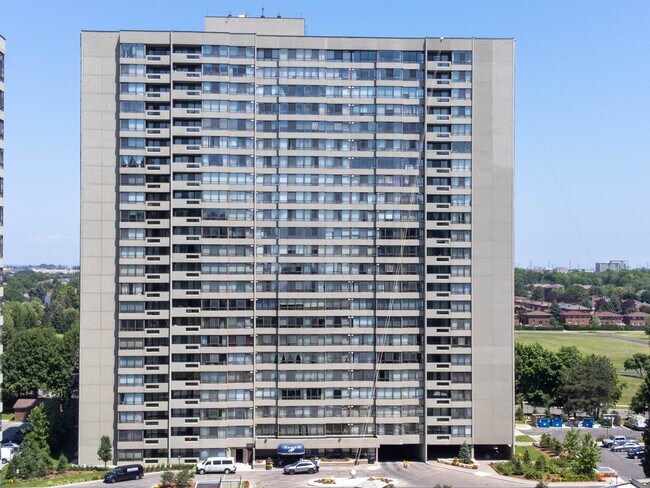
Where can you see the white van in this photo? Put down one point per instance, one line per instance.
(7, 454)
(217, 465)
(636, 422)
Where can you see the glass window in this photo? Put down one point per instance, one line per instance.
(132, 107)
(132, 124)
(132, 50)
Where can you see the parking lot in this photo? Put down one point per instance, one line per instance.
(626, 468)
(419, 475)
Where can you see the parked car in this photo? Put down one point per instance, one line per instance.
(124, 473)
(609, 441)
(7, 454)
(301, 467)
(11, 445)
(626, 446)
(217, 465)
(636, 452)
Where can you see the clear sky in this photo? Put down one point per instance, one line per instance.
(582, 106)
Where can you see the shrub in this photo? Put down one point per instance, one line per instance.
(545, 441)
(556, 446)
(167, 478)
(183, 477)
(62, 464)
(527, 460)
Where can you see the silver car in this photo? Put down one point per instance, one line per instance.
(626, 446)
(301, 467)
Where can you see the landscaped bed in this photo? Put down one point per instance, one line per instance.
(572, 460)
(352, 483)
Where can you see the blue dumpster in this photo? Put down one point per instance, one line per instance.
(588, 422)
(544, 423)
(556, 422)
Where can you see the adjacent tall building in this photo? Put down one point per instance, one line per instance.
(295, 239)
(2, 165)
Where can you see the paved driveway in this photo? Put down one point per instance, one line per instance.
(419, 475)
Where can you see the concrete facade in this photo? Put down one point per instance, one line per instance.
(295, 239)
(2, 180)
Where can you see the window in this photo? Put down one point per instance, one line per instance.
(132, 107)
(132, 69)
(132, 124)
(132, 50)
(461, 57)
(132, 88)
(132, 142)
(131, 398)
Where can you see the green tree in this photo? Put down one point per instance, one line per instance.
(537, 294)
(33, 462)
(32, 362)
(640, 402)
(638, 363)
(39, 428)
(645, 462)
(590, 386)
(571, 444)
(555, 310)
(569, 356)
(588, 457)
(537, 373)
(594, 322)
(465, 455)
(105, 449)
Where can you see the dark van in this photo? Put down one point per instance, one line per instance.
(124, 473)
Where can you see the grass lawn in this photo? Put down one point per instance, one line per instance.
(588, 343)
(524, 438)
(7, 416)
(55, 480)
(533, 451)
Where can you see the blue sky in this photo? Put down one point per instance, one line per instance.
(582, 105)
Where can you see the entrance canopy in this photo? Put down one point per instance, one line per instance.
(291, 449)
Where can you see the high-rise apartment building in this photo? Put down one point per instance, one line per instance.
(2, 180)
(295, 239)
(613, 265)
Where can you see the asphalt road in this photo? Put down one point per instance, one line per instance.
(626, 468)
(419, 475)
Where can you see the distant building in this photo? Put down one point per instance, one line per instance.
(538, 318)
(572, 307)
(615, 265)
(635, 319)
(532, 304)
(548, 286)
(610, 318)
(575, 317)
(24, 406)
